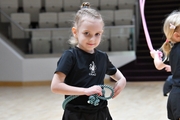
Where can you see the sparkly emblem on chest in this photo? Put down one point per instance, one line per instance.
(92, 68)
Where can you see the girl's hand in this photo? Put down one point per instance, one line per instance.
(153, 52)
(160, 54)
(118, 87)
(156, 53)
(168, 68)
(93, 90)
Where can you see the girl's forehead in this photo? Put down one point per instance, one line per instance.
(96, 24)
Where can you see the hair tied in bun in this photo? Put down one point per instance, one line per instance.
(85, 5)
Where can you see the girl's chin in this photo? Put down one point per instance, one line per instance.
(90, 50)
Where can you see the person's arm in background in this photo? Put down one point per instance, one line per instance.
(156, 55)
(168, 68)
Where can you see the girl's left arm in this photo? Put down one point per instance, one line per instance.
(120, 82)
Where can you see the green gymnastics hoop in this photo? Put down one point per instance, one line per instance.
(93, 99)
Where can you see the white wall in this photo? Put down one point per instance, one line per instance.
(39, 69)
(15, 67)
(10, 63)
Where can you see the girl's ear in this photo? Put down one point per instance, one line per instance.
(74, 31)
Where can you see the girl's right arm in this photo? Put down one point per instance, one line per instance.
(58, 86)
(157, 60)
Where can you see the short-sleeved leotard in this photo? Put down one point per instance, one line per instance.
(174, 97)
(83, 69)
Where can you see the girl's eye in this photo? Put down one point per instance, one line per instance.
(97, 34)
(86, 33)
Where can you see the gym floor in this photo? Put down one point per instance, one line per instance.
(138, 101)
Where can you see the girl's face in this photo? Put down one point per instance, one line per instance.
(176, 35)
(88, 34)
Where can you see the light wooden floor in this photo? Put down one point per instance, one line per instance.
(138, 101)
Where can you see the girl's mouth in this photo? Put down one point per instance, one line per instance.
(90, 44)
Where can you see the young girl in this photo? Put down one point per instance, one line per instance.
(171, 48)
(82, 69)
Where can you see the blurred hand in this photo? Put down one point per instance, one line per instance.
(158, 53)
(118, 87)
(93, 90)
(168, 68)
(152, 53)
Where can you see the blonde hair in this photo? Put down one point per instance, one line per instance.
(85, 11)
(172, 22)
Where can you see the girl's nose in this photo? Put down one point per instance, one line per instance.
(92, 38)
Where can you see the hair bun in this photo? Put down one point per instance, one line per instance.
(85, 5)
